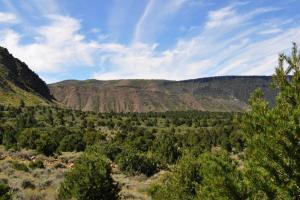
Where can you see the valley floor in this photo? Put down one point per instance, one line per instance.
(43, 183)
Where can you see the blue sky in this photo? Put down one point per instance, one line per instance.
(152, 39)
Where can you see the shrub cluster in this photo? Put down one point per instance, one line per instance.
(90, 179)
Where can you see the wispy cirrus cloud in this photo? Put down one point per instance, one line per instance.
(228, 16)
(209, 52)
(155, 15)
(270, 31)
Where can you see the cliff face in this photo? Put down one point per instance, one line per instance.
(17, 81)
(228, 93)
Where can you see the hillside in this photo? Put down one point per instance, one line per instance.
(18, 82)
(228, 93)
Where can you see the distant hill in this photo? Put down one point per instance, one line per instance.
(18, 82)
(227, 93)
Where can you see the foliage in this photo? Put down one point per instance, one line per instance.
(46, 131)
(110, 150)
(46, 144)
(5, 192)
(36, 164)
(20, 166)
(73, 142)
(92, 137)
(273, 153)
(271, 165)
(28, 137)
(89, 179)
(210, 176)
(9, 137)
(165, 147)
(133, 162)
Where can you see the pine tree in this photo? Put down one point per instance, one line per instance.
(273, 152)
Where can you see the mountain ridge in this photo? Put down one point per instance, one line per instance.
(221, 93)
(18, 82)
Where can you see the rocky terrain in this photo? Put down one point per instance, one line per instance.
(227, 93)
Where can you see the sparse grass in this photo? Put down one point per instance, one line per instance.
(36, 183)
(14, 97)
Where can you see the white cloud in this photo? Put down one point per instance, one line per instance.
(57, 46)
(260, 58)
(61, 47)
(8, 18)
(208, 53)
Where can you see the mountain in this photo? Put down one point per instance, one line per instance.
(18, 82)
(227, 93)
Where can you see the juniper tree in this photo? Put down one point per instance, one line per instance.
(89, 179)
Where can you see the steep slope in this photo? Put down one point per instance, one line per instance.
(228, 93)
(18, 82)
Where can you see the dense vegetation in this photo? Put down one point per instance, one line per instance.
(4, 192)
(270, 166)
(255, 155)
(138, 143)
(152, 140)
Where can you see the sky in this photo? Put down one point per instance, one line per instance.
(148, 39)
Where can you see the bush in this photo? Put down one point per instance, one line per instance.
(9, 139)
(89, 179)
(27, 184)
(132, 162)
(46, 144)
(72, 142)
(92, 137)
(27, 138)
(165, 147)
(210, 176)
(20, 166)
(110, 150)
(5, 192)
(36, 164)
